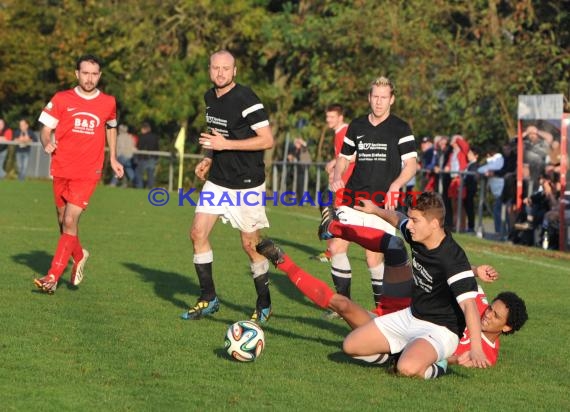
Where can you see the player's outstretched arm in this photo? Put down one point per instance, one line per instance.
(486, 273)
(393, 217)
(473, 321)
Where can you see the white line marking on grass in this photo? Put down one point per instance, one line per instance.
(525, 260)
(29, 229)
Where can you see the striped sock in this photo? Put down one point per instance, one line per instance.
(341, 274)
(436, 370)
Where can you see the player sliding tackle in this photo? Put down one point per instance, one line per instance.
(423, 343)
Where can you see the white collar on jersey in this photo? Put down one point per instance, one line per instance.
(86, 96)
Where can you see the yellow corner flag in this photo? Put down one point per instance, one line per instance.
(179, 146)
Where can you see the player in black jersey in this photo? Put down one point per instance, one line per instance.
(238, 134)
(385, 160)
(505, 315)
(443, 295)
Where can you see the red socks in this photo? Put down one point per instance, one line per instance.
(367, 237)
(65, 248)
(313, 288)
(77, 253)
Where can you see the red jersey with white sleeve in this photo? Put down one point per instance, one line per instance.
(491, 349)
(338, 141)
(80, 123)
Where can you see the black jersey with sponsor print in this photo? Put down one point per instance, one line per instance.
(236, 115)
(380, 151)
(442, 278)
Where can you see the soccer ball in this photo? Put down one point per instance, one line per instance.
(245, 341)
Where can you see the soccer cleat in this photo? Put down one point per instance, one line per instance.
(77, 270)
(261, 315)
(202, 308)
(324, 257)
(270, 250)
(331, 315)
(47, 284)
(327, 216)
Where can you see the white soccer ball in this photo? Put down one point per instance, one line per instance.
(245, 341)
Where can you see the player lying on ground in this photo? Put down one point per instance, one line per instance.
(506, 314)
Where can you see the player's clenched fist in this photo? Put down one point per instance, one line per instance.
(202, 168)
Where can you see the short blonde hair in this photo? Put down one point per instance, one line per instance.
(382, 81)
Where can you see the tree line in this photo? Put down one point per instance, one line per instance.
(458, 66)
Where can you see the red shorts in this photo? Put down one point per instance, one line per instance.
(74, 191)
(389, 304)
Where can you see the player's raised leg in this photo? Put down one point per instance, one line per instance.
(397, 278)
(314, 289)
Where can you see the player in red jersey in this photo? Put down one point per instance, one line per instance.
(80, 119)
(335, 121)
(504, 316)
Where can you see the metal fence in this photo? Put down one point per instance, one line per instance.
(298, 177)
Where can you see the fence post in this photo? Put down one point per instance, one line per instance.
(274, 178)
(459, 204)
(504, 218)
(170, 172)
(318, 185)
(480, 229)
(284, 168)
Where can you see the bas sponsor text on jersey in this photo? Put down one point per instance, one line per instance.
(85, 123)
(421, 277)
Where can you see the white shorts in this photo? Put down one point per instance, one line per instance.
(401, 327)
(231, 207)
(350, 216)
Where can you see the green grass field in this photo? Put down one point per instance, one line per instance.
(116, 342)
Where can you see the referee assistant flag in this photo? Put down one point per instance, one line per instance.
(179, 146)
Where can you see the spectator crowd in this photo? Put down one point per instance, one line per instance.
(452, 166)
(456, 169)
(140, 167)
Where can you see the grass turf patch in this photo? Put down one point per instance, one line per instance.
(116, 342)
